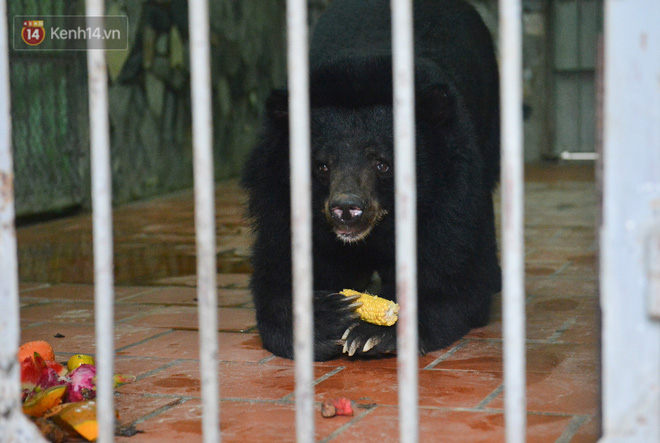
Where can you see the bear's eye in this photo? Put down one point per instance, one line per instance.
(323, 168)
(382, 166)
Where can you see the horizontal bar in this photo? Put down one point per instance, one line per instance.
(591, 156)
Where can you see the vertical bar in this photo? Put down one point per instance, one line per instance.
(205, 216)
(513, 287)
(631, 220)
(102, 229)
(301, 223)
(13, 424)
(405, 216)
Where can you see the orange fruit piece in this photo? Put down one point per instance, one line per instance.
(41, 347)
(43, 401)
(81, 417)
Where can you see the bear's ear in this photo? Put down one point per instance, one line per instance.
(435, 104)
(277, 105)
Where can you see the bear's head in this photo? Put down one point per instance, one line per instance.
(352, 156)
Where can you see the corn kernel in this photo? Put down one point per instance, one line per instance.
(377, 310)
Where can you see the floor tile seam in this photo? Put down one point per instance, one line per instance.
(595, 278)
(554, 238)
(490, 397)
(324, 377)
(91, 323)
(146, 291)
(572, 428)
(593, 342)
(358, 418)
(583, 296)
(531, 412)
(447, 354)
(145, 340)
(528, 341)
(565, 266)
(267, 359)
(124, 357)
(160, 306)
(562, 329)
(73, 301)
(561, 278)
(500, 372)
(35, 304)
(163, 305)
(177, 401)
(35, 325)
(27, 300)
(182, 304)
(457, 371)
(328, 375)
(159, 369)
(546, 262)
(494, 410)
(280, 402)
(36, 288)
(139, 315)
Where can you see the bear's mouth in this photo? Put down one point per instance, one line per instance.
(352, 234)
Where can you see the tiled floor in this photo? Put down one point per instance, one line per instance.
(460, 387)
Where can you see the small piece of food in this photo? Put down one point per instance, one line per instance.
(119, 379)
(377, 310)
(77, 360)
(41, 347)
(30, 373)
(33, 368)
(43, 401)
(336, 406)
(49, 378)
(80, 417)
(328, 409)
(82, 386)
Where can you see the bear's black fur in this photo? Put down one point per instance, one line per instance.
(457, 156)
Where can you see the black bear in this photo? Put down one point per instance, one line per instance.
(457, 163)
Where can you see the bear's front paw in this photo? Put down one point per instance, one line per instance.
(366, 339)
(332, 304)
(333, 313)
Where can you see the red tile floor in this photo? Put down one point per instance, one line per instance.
(460, 391)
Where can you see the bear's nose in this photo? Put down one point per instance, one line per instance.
(347, 209)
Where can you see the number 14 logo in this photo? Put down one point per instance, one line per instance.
(33, 32)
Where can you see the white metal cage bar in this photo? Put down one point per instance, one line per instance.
(13, 424)
(102, 231)
(405, 217)
(203, 166)
(513, 267)
(301, 223)
(630, 222)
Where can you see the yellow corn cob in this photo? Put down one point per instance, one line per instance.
(377, 310)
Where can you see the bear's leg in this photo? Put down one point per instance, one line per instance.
(333, 312)
(448, 308)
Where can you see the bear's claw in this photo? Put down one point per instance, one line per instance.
(369, 339)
